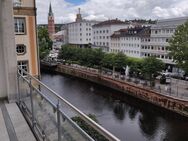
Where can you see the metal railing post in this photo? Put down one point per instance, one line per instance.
(18, 79)
(31, 98)
(58, 121)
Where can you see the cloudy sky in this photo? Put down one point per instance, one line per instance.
(65, 10)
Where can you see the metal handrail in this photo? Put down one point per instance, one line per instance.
(89, 121)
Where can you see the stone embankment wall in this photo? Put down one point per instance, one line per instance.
(173, 104)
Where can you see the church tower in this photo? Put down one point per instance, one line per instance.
(51, 26)
(78, 16)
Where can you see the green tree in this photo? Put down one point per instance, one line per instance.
(135, 65)
(108, 60)
(83, 56)
(45, 43)
(67, 53)
(179, 46)
(151, 67)
(120, 60)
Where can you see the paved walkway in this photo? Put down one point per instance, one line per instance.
(176, 89)
(13, 126)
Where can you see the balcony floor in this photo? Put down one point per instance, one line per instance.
(13, 126)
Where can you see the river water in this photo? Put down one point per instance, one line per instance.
(127, 118)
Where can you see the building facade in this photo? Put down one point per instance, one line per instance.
(157, 44)
(80, 31)
(128, 41)
(26, 36)
(51, 25)
(103, 30)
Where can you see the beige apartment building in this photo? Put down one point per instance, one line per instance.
(26, 35)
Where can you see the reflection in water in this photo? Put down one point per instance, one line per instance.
(148, 124)
(119, 110)
(127, 118)
(132, 113)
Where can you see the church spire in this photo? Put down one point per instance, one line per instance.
(51, 25)
(50, 10)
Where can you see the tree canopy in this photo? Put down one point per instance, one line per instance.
(148, 67)
(45, 43)
(83, 56)
(179, 46)
(151, 66)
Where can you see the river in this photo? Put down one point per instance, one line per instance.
(127, 118)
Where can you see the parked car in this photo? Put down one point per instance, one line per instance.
(186, 78)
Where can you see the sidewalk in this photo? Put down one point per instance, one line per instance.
(13, 126)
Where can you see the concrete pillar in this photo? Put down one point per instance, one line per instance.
(8, 63)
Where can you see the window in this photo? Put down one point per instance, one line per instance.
(20, 49)
(23, 65)
(19, 25)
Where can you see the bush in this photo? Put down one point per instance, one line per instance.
(88, 129)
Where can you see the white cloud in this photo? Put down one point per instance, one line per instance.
(108, 9)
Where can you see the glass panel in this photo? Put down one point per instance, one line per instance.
(24, 90)
(45, 116)
(71, 132)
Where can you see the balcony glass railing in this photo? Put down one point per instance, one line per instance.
(49, 115)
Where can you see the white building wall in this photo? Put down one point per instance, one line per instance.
(130, 46)
(101, 34)
(8, 69)
(80, 33)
